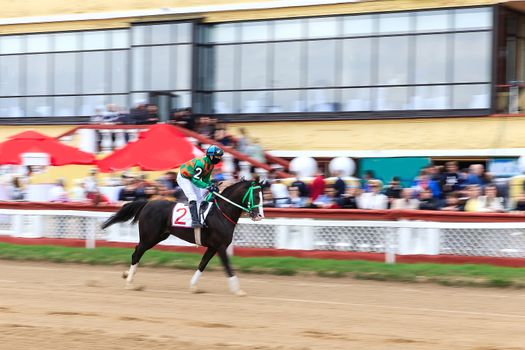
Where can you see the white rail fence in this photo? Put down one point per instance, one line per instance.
(387, 237)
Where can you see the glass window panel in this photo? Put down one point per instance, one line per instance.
(471, 96)
(393, 60)
(10, 74)
(353, 100)
(288, 29)
(431, 59)
(95, 40)
(473, 18)
(94, 72)
(394, 23)
(321, 100)
(120, 39)
(358, 25)
(183, 67)
(255, 101)
(64, 106)
(225, 33)
(223, 103)
(138, 98)
(433, 21)
(12, 107)
(391, 98)
(65, 67)
(91, 103)
(255, 31)
(287, 65)
(38, 43)
(431, 97)
(321, 63)
(160, 65)
(120, 102)
(138, 35)
(225, 67)
(12, 44)
(160, 34)
(67, 41)
(138, 74)
(254, 62)
(183, 99)
(37, 77)
(119, 71)
(472, 53)
(39, 107)
(326, 27)
(184, 32)
(357, 62)
(285, 101)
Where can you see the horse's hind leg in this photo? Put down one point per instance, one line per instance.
(210, 252)
(140, 249)
(233, 281)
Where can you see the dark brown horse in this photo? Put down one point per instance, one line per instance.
(154, 219)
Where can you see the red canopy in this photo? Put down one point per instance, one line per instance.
(32, 141)
(162, 147)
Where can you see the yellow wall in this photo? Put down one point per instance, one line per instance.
(409, 134)
(31, 8)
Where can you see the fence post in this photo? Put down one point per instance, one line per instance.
(390, 246)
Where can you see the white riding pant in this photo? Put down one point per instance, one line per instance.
(192, 192)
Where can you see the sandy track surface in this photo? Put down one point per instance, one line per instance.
(54, 306)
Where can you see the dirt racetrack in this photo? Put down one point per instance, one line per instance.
(53, 306)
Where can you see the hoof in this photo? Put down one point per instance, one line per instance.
(194, 289)
(240, 293)
(125, 274)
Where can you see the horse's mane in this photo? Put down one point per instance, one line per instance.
(233, 187)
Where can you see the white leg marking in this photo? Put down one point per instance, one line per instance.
(233, 282)
(197, 231)
(194, 279)
(131, 274)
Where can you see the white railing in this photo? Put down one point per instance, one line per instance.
(499, 239)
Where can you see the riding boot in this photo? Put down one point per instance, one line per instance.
(195, 222)
(202, 210)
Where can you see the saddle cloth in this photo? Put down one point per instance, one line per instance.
(181, 216)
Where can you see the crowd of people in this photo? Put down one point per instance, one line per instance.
(435, 188)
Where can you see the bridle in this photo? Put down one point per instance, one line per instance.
(250, 205)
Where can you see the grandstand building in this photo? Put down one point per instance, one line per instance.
(367, 79)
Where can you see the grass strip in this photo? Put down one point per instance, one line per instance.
(445, 274)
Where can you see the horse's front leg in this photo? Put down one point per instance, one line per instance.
(210, 252)
(233, 281)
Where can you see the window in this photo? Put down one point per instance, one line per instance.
(393, 60)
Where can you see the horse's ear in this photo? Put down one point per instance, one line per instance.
(264, 183)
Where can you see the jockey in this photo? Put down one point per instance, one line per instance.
(194, 179)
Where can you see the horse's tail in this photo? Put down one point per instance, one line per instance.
(127, 212)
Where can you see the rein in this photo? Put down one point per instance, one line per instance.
(248, 195)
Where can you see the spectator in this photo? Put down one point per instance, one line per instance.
(452, 202)
(98, 117)
(58, 193)
(268, 201)
(451, 179)
(327, 200)
(15, 190)
(222, 137)
(296, 200)
(280, 194)
(152, 114)
(169, 181)
(519, 206)
(427, 201)
(339, 184)
(303, 188)
(242, 141)
(406, 200)
(424, 182)
(111, 114)
(128, 193)
(368, 175)
(205, 127)
(477, 175)
(91, 181)
(78, 191)
(393, 190)
(349, 199)
(317, 186)
(373, 199)
(255, 151)
(97, 198)
(184, 118)
(473, 203)
(139, 114)
(490, 202)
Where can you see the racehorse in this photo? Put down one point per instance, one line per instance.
(154, 220)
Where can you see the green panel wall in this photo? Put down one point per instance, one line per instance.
(385, 168)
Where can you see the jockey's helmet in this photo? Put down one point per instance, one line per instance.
(215, 153)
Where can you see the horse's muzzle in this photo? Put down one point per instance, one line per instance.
(257, 217)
